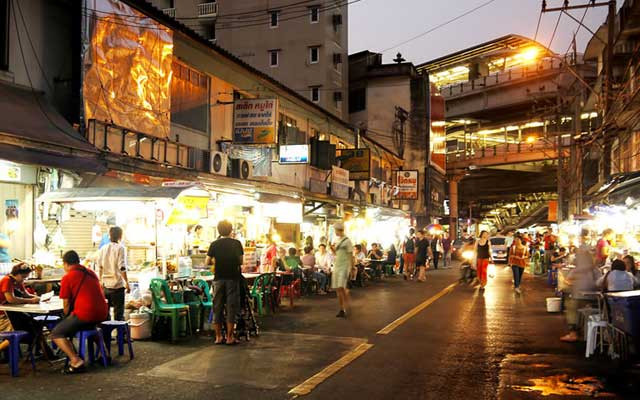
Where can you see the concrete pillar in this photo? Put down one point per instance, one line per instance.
(453, 206)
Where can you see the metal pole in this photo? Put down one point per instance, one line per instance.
(560, 161)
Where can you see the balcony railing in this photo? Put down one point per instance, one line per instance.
(209, 9)
(127, 143)
(510, 75)
(170, 12)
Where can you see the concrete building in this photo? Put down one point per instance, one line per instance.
(302, 44)
(390, 104)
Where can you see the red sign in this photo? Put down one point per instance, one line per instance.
(407, 184)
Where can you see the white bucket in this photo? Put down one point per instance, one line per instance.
(554, 304)
(140, 324)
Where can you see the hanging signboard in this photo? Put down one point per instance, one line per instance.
(357, 162)
(339, 183)
(407, 184)
(254, 121)
(552, 214)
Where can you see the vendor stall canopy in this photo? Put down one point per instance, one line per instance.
(120, 194)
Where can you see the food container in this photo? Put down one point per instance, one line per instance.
(554, 304)
(140, 324)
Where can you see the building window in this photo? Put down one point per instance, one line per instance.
(314, 54)
(189, 97)
(274, 19)
(274, 56)
(337, 99)
(315, 94)
(210, 31)
(357, 100)
(337, 61)
(314, 14)
(4, 34)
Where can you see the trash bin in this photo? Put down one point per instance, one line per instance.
(625, 312)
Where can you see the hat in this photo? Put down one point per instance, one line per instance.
(338, 226)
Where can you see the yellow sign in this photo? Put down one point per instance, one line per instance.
(357, 162)
(254, 121)
(188, 210)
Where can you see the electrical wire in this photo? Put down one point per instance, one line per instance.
(486, 3)
(555, 29)
(535, 37)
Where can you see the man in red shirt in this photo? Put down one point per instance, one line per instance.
(84, 305)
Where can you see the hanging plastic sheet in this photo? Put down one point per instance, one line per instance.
(127, 68)
(260, 156)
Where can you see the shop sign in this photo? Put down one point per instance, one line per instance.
(294, 154)
(189, 210)
(357, 162)
(553, 211)
(407, 184)
(178, 184)
(10, 173)
(317, 186)
(254, 121)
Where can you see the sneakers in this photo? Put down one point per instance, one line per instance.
(518, 290)
(341, 314)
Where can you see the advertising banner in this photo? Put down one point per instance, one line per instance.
(407, 183)
(254, 121)
(357, 162)
(339, 183)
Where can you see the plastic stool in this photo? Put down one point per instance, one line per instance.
(14, 338)
(86, 340)
(124, 333)
(595, 330)
(50, 321)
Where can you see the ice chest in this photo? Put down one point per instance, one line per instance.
(625, 311)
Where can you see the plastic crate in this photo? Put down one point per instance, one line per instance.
(625, 311)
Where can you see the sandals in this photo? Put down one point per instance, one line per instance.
(69, 370)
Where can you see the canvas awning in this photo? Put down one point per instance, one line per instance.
(33, 132)
(147, 193)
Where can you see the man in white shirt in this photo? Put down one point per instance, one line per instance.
(112, 271)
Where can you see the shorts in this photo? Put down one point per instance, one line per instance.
(68, 327)
(226, 295)
(409, 258)
(421, 263)
(5, 324)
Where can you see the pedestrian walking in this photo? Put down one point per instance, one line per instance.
(342, 266)
(483, 257)
(112, 271)
(408, 254)
(422, 255)
(226, 254)
(518, 259)
(436, 250)
(446, 247)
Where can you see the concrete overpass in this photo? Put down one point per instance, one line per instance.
(503, 154)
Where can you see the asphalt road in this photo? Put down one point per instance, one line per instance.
(464, 345)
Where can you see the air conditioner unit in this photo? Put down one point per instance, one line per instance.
(219, 162)
(241, 169)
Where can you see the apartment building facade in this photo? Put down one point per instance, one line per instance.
(301, 44)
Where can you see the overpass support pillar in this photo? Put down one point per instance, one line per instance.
(453, 205)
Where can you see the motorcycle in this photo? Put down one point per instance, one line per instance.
(467, 271)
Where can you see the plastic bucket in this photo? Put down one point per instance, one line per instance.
(554, 304)
(140, 324)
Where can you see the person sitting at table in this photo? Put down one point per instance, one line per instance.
(630, 263)
(293, 262)
(559, 256)
(281, 260)
(375, 253)
(13, 291)
(358, 272)
(324, 261)
(309, 261)
(616, 280)
(84, 306)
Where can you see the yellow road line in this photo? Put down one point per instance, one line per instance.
(387, 329)
(307, 386)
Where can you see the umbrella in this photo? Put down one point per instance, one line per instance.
(435, 228)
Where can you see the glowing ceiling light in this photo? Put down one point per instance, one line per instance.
(531, 139)
(529, 54)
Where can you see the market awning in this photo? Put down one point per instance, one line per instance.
(120, 194)
(618, 189)
(33, 132)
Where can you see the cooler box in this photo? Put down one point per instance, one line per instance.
(625, 311)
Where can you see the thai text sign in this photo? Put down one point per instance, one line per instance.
(407, 184)
(254, 121)
(339, 182)
(357, 162)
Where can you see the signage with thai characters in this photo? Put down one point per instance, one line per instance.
(10, 173)
(407, 184)
(339, 182)
(254, 121)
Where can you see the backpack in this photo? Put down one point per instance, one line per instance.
(409, 245)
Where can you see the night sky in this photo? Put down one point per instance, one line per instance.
(377, 25)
